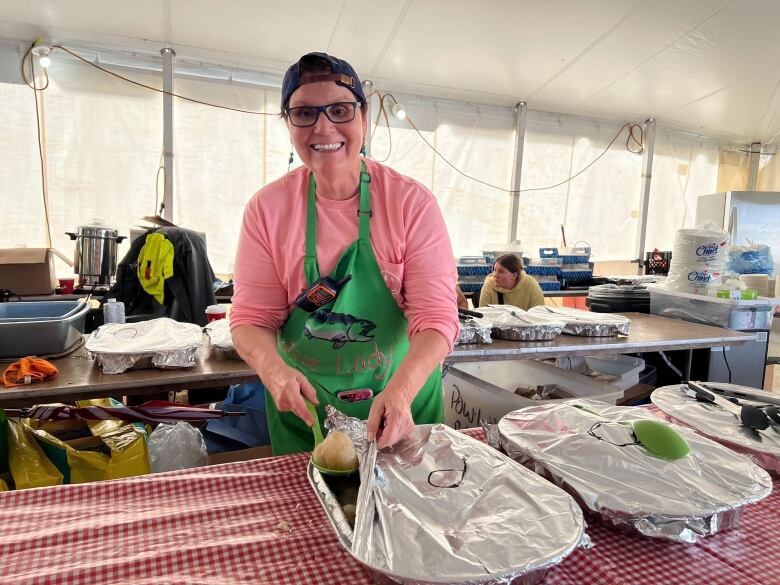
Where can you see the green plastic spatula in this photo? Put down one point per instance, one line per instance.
(661, 439)
(317, 440)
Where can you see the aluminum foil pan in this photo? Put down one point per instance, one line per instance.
(598, 461)
(763, 447)
(441, 507)
(585, 323)
(222, 347)
(509, 322)
(474, 330)
(158, 343)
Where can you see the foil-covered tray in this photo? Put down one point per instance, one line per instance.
(441, 507)
(474, 330)
(599, 462)
(711, 420)
(585, 323)
(221, 340)
(509, 322)
(157, 343)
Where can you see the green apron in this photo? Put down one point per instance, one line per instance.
(358, 340)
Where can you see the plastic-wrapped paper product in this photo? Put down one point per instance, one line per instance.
(474, 330)
(441, 507)
(601, 463)
(158, 343)
(586, 323)
(509, 322)
(763, 447)
(698, 258)
(221, 340)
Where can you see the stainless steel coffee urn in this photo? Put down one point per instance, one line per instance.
(95, 260)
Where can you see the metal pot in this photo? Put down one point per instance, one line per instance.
(96, 252)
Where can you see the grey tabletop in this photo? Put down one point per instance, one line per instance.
(79, 377)
(647, 333)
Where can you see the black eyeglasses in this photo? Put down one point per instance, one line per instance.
(338, 113)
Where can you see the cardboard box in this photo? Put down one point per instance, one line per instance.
(27, 271)
(241, 455)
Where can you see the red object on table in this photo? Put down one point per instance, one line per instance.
(257, 522)
(66, 285)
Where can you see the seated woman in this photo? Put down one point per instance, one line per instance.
(510, 285)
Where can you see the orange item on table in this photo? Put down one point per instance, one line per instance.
(27, 371)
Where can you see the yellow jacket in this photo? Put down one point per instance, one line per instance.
(526, 293)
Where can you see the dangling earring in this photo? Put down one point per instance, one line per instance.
(363, 150)
(289, 162)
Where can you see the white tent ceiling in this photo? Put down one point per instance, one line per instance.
(710, 66)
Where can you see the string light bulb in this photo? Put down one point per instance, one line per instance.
(398, 111)
(42, 52)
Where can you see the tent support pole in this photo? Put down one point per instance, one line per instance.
(368, 88)
(514, 203)
(168, 55)
(647, 175)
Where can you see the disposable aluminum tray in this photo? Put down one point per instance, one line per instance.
(441, 507)
(43, 338)
(513, 323)
(585, 323)
(763, 447)
(474, 330)
(598, 461)
(221, 340)
(158, 343)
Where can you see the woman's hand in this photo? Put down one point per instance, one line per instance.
(289, 387)
(390, 418)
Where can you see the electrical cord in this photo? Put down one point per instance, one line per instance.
(139, 84)
(634, 141)
(726, 360)
(44, 189)
(631, 140)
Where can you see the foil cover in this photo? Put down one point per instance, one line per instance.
(221, 340)
(599, 462)
(585, 323)
(474, 330)
(158, 343)
(509, 322)
(722, 426)
(441, 507)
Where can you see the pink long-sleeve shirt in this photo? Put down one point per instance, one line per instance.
(407, 233)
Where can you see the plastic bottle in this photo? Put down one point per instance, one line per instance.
(113, 312)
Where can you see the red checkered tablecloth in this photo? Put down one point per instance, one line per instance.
(258, 522)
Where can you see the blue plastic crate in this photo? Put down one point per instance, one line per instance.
(541, 270)
(474, 270)
(467, 287)
(576, 274)
(578, 259)
(550, 286)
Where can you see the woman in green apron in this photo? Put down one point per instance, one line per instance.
(342, 337)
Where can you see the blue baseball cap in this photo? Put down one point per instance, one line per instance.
(343, 74)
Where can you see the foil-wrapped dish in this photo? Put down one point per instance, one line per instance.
(509, 322)
(157, 343)
(221, 340)
(762, 446)
(591, 450)
(474, 330)
(585, 323)
(441, 507)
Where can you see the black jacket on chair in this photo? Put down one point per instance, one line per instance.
(187, 292)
